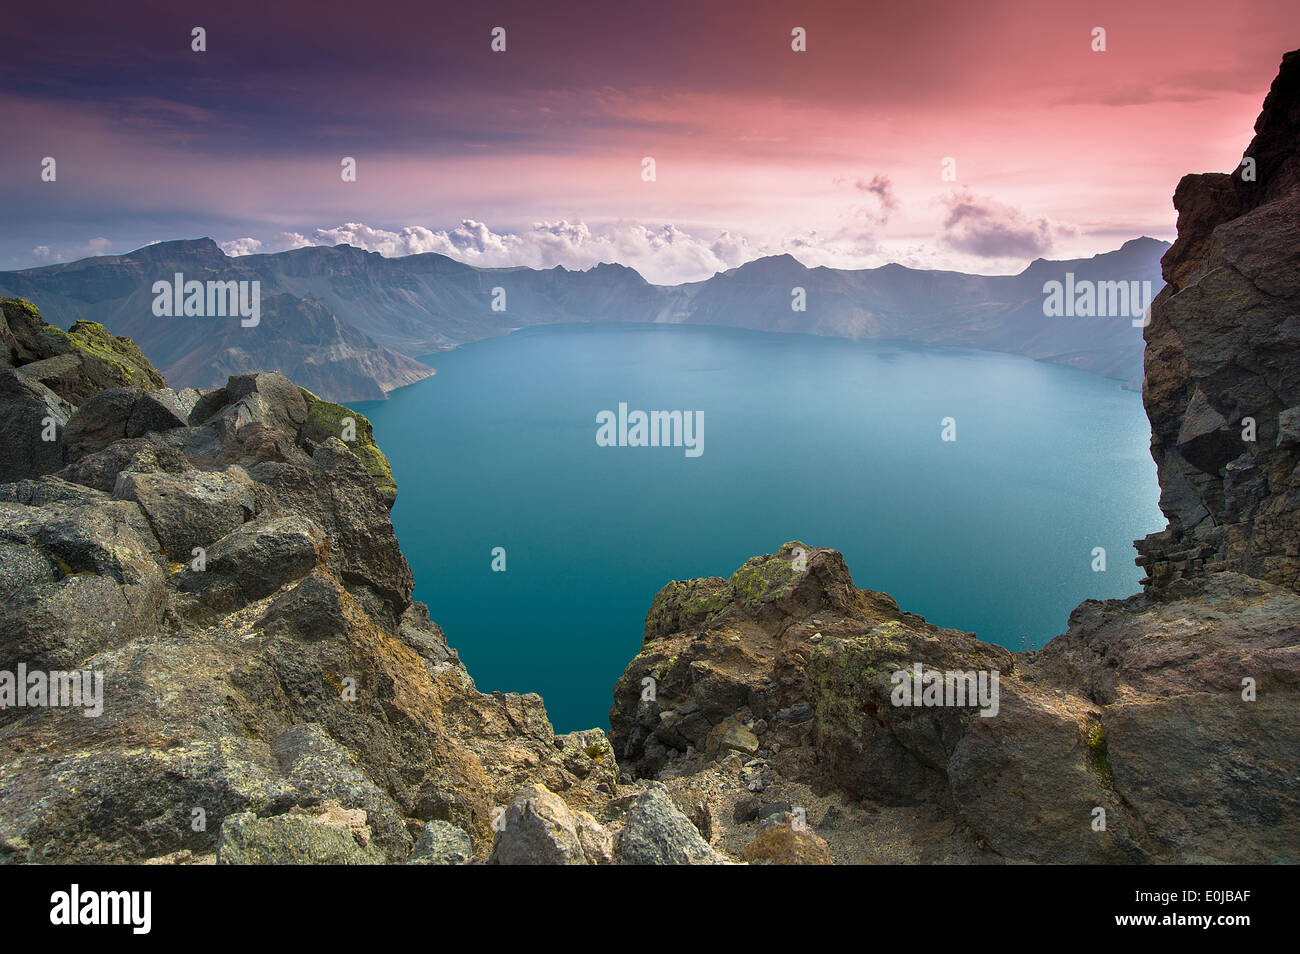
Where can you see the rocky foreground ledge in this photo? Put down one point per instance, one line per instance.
(226, 563)
(775, 695)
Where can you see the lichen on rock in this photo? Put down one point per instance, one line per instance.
(326, 420)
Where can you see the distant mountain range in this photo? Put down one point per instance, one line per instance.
(348, 324)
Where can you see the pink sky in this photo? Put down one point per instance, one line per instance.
(833, 154)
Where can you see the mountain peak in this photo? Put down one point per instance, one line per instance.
(202, 249)
(770, 266)
(1141, 243)
(616, 271)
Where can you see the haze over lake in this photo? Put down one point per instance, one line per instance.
(832, 442)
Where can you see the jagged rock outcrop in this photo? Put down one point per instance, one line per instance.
(790, 673)
(44, 373)
(1223, 362)
(226, 563)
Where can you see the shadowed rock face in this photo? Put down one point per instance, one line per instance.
(1223, 363)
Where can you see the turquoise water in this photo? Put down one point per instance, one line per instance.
(833, 442)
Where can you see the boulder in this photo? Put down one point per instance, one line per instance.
(159, 410)
(189, 510)
(145, 455)
(263, 555)
(441, 843)
(657, 833)
(285, 407)
(29, 414)
(101, 420)
(297, 838)
(312, 610)
(537, 829)
(787, 843)
(86, 575)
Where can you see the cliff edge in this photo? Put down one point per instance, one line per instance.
(1223, 363)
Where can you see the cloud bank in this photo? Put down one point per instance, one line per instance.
(975, 233)
(664, 254)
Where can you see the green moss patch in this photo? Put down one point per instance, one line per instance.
(764, 579)
(122, 354)
(325, 420)
(1099, 756)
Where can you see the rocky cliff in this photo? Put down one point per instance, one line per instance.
(224, 561)
(772, 693)
(1223, 362)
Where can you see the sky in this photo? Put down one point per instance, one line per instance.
(536, 155)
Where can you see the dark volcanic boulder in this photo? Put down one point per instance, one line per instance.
(283, 401)
(263, 556)
(101, 420)
(88, 571)
(145, 455)
(313, 609)
(29, 413)
(189, 510)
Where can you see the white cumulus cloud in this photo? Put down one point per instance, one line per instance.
(665, 254)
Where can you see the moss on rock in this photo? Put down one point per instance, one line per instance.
(108, 361)
(683, 604)
(1099, 756)
(325, 419)
(764, 579)
(122, 354)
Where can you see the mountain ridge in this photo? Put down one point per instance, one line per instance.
(410, 306)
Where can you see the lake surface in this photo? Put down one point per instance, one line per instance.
(832, 442)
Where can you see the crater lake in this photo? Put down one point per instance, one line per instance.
(836, 443)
